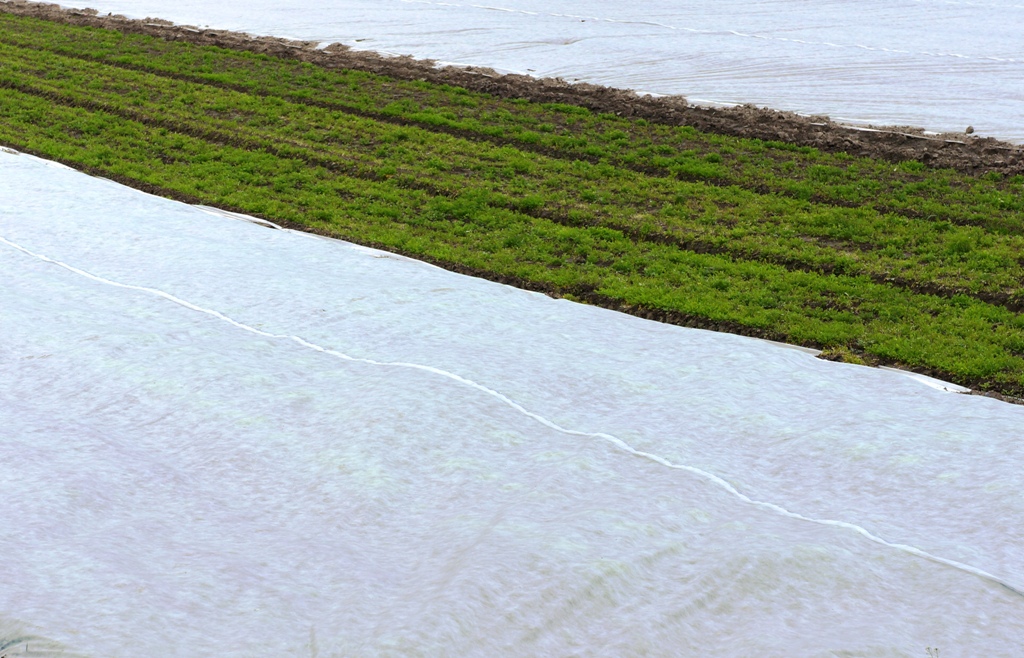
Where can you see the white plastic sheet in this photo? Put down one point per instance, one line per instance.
(218, 438)
(938, 64)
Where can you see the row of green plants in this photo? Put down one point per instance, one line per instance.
(552, 196)
(921, 254)
(970, 341)
(996, 205)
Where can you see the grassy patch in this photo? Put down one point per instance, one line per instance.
(873, 261)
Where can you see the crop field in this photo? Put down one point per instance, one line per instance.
(872, 261)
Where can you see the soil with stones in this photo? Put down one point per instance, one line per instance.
(966, 153)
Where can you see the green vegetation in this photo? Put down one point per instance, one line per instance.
(873, 261)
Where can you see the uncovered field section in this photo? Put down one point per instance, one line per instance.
(890, 263)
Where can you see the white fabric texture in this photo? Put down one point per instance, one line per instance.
(223, 439)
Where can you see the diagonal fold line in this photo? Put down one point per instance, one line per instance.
(610, 438)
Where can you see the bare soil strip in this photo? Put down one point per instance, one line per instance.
(964, 153)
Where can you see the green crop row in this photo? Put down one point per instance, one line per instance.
(974, 342)
(567, 131)
(933, 255)
(594, 224)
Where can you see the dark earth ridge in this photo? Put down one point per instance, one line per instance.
(964, 153)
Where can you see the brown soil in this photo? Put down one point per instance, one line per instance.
(969, 154)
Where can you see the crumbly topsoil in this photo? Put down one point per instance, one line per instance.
(973, 155)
